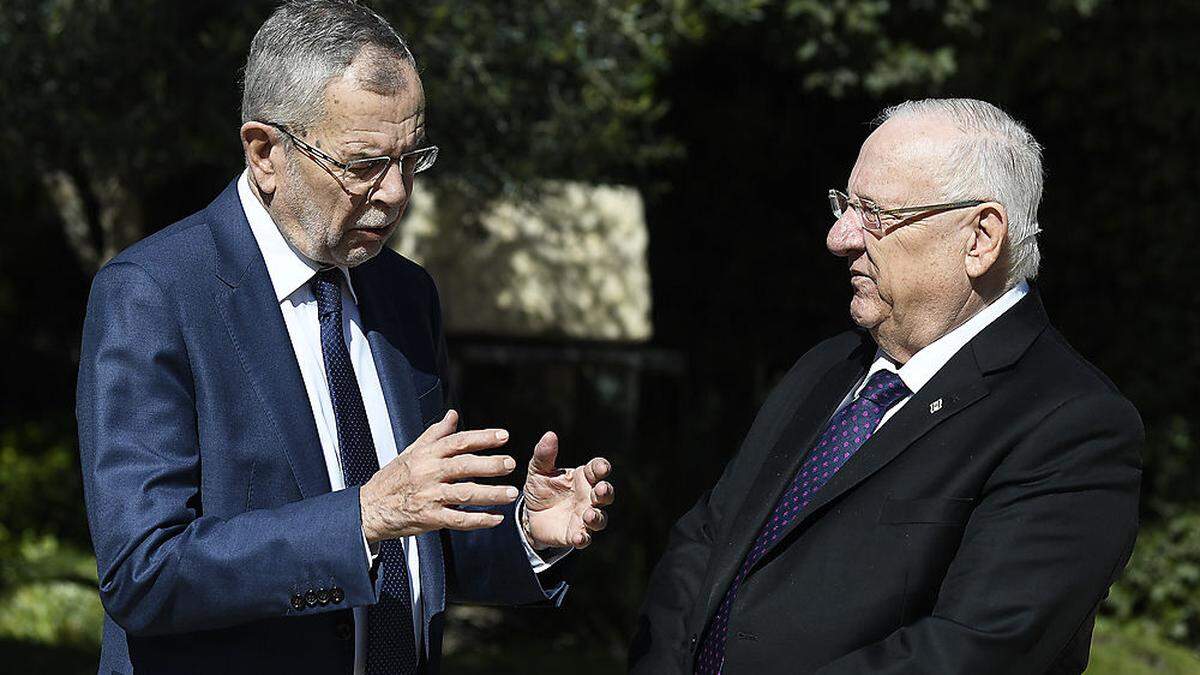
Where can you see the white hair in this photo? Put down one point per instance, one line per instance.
(996, 159)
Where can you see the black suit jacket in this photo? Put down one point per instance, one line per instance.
(975, 532)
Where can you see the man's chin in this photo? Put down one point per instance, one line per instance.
(361, 252)
(865, 312)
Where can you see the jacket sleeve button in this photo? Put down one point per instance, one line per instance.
(310, 598)
(336, 595)
(297, 601)
(323, 596)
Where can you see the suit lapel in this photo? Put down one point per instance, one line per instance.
(385, 333)
(433, 579)
(252, 316)
(781, 464)
(955, 387)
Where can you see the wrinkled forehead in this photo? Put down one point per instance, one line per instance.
(376, 107)
(904, 160)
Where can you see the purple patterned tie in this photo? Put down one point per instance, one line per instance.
(841, 438)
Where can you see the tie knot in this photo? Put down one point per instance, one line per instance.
(884, 388)
(327, 288)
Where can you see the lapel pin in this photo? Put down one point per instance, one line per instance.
(935, 406)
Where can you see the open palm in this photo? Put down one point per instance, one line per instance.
(563, 506)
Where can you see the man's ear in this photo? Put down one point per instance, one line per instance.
(989, 230)
(260, 143)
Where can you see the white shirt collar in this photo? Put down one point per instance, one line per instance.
(288, 269)
(926, 363)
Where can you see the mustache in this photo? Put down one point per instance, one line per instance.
(375, 218)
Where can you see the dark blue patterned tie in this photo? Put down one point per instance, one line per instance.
(845, 433)
(391, 646)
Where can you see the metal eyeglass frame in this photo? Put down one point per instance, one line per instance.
(871, 215)
(425, 159)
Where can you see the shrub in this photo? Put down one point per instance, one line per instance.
(1161, 587)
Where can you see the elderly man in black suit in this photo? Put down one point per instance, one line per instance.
(949, 489)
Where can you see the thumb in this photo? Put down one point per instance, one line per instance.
(545, 453)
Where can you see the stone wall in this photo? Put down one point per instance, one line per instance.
(571, 263)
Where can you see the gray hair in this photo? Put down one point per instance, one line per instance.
(306, 43)
(996, 159)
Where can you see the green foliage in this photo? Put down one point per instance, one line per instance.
(1172, 463)
(40, 485)
(48, 593)
(1161, 587)
(47, 580)
(1129, 649)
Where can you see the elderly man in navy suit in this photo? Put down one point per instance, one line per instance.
(273, 480)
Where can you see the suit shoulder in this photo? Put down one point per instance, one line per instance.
(1065, 381)
(178, 251)
(1052, 354)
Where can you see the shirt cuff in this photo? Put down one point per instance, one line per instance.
(372, 550)
(540, 562)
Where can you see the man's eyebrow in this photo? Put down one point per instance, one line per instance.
(863, 196)
(356, 149)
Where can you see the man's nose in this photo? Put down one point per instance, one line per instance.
(393, 189)
(846, 237)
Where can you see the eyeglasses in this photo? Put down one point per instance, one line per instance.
(360, 176)
(871, 217)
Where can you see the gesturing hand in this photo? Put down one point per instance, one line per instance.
(563, 505)
(416, 491)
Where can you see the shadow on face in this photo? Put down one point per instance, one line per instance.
(375, 109)
(910, 278)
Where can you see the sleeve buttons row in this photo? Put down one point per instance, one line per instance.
(320, 596)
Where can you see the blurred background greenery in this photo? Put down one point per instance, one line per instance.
(729, 119)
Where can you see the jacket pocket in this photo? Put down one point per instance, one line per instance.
(431, 404)
(930, 511)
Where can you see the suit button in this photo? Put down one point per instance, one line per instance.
(297, 601)
(343, 630)
(336, 595)
(323, 596)
(692, 642)
(310, 598)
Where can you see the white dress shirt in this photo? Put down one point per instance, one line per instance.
(923, 365)
(290, 272)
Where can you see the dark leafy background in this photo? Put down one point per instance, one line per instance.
(732, 117)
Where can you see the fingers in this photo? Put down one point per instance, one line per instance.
(602, 494)
(545, 454)
(474, 494)
(475, 466)
(595, 520)
(581, 539)
(469, 441)
(440, 429)
(597, 470)
(453, 519)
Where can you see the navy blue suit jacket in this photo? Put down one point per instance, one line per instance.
(207, 492)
